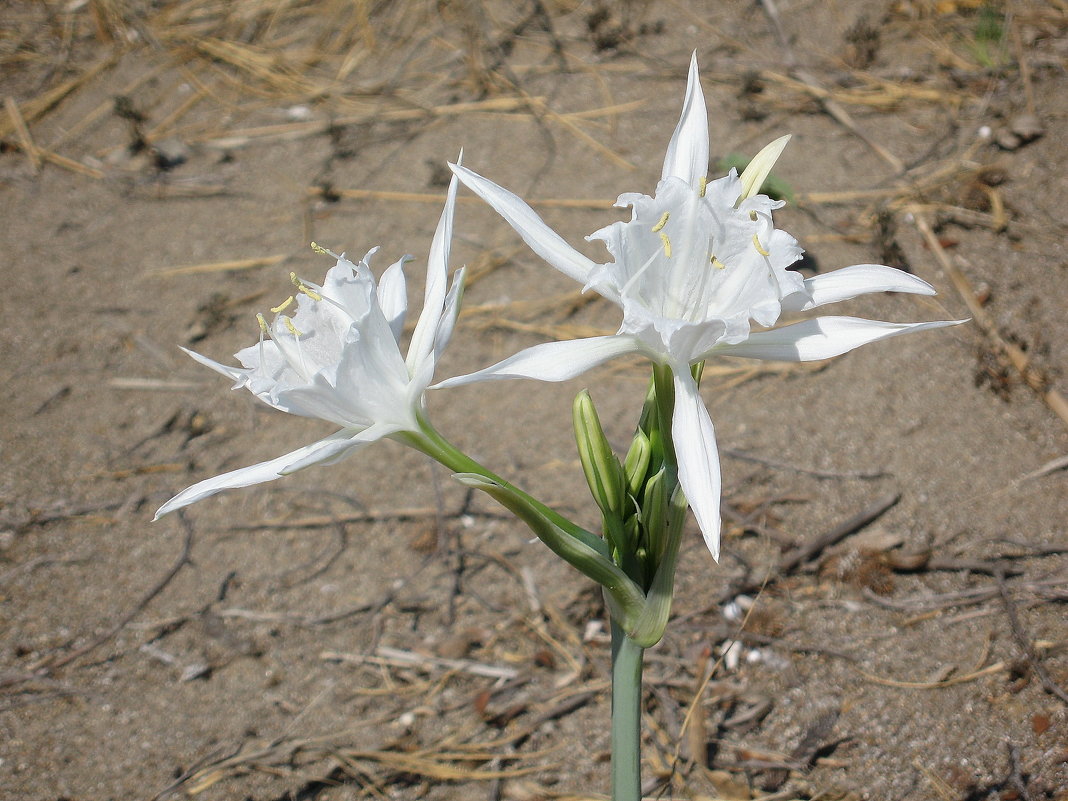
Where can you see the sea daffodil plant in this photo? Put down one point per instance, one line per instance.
(698, 271)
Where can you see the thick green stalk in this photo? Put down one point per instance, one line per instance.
(434, 445)
(626, 716)
(580, 548)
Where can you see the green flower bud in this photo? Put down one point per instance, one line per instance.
(603, 471)
(654, 513)
(636, 465)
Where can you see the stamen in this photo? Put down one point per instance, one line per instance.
(753, 216)
(317, 248)
(281, 307)
(717, 263)
(263, 324)
(702, 184)
(759, 247)
(302, 287)
(663, 221)
(667, 244)
(292, 328)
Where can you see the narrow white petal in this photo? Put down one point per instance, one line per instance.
(821, 338)
(338, 448)
(687, 152)
(849, 282)
(756, 172)
(237, 374)
(450, 312)
(542, 239)
(437, 277)
(552, 361)
(322, 450)
(393, 297)
(698, 457)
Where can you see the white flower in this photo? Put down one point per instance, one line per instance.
(338, 358)
(693, 269)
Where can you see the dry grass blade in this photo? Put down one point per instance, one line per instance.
(1009, 351)
(23, 133)
(218, 266)
(936, 684)
(32, 109)
(437, 199)
(880, 94)
(285, 757)
(396, 657)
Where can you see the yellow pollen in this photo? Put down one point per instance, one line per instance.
(281, 307)
(667, 244)
(717, 263)
(702, 184)
(660, 225)
(759, 247)
(319, 249)
(292, 328)
(263, 324)
(753, 216)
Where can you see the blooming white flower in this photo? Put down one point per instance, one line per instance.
(693, 269)
(338, 358)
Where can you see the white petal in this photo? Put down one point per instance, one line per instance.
(697, 457)
(437, 272)
(451, 311)
(849, 282)
(542, 239)
(821, 338)
(755, 173)
(393, 296)
(687, 152)
(323, 450)
(341, 447)
(238, 374)
(552, 361)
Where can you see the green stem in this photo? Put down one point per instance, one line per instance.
(434, 445)
(626, 716)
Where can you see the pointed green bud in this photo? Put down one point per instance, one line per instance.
(636, 465)
(654, 513)
(754, 175)
(603, 471)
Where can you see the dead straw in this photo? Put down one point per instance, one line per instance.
(1008, 351)
(232, 265)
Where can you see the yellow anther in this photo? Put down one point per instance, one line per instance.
(702, 184)
(316, 247)
(753, 216)
(263, 324)
(292, 328)
(717, 263)
(660, 225)
(667, 244)
(281, 307)
(759, 247)
(301, 286)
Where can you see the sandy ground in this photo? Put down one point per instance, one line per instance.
(369, 630)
